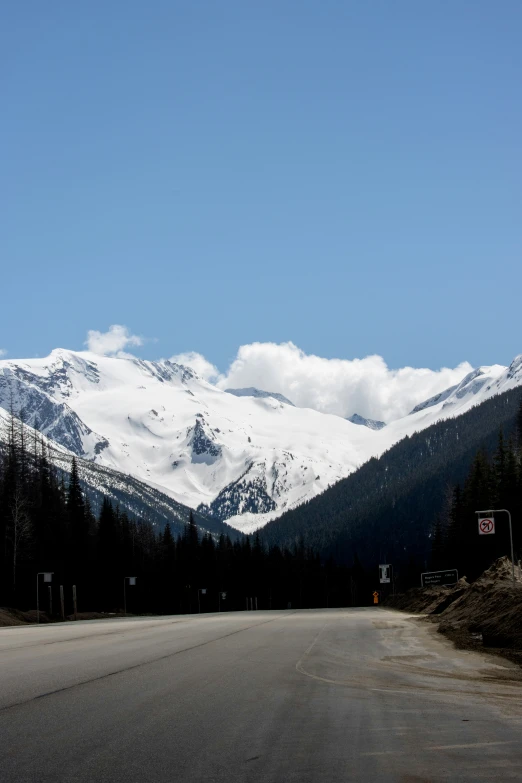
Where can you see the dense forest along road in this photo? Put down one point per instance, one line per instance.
(278, 697)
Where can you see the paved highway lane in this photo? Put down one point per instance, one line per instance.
(323, 696)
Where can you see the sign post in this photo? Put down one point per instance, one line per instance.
(132, 583)
(48, 577)
(375, 597)
(488, 522)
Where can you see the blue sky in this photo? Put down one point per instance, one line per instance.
(345, 175)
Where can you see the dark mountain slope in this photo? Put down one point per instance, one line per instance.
(140, 500)
(385, 511)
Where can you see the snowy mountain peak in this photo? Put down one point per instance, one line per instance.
(515, 368)
(372, 424)
(482, 379)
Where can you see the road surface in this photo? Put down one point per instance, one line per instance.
(323, 696)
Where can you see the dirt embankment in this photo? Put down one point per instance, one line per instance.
(485, 614)
(10, 617)
(16, 617)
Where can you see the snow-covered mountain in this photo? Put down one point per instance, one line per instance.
(136, 497)
(242, 455)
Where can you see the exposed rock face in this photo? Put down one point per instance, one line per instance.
(372, 424)
(249, 494)
(251, 391)
(204, 447)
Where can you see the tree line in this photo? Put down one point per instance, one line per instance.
(48, 524)
(493, 482)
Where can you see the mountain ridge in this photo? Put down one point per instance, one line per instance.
(244, 458)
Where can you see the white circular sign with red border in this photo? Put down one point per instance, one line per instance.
(486, 526)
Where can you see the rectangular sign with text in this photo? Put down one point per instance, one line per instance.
(450, 577)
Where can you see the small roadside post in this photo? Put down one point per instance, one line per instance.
(132, 583)
(62, 602)
(221, 597)
(47, 577)
(201, 591)
(486, 527)
(375, 597)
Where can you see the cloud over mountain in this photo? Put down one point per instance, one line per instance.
(198, 363)
(115, 340)
(341, 386)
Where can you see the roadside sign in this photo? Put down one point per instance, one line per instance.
(132, 581)
(48, 577)
(449, 577)
(223, 596)
(376, 597)
(486, 526)
(385, 574)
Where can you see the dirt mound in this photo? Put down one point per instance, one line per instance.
(491, 606)
(97, 615)
(427, 600)
(8, 618)
(16, 617)
(487, 612)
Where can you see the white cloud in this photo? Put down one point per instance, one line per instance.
(3, 352)
(111, 342)
(198, 363)
(341, 386)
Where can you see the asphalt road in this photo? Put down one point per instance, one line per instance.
(323, 696)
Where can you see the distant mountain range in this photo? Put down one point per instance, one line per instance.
(241, 455)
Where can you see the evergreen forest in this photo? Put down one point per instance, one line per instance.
(414, 507)
(47, 524)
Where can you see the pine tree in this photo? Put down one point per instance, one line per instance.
(499, 473)
(518, 432)
(438, 545)
(78, 526)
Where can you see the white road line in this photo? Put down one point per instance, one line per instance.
(468, 745)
